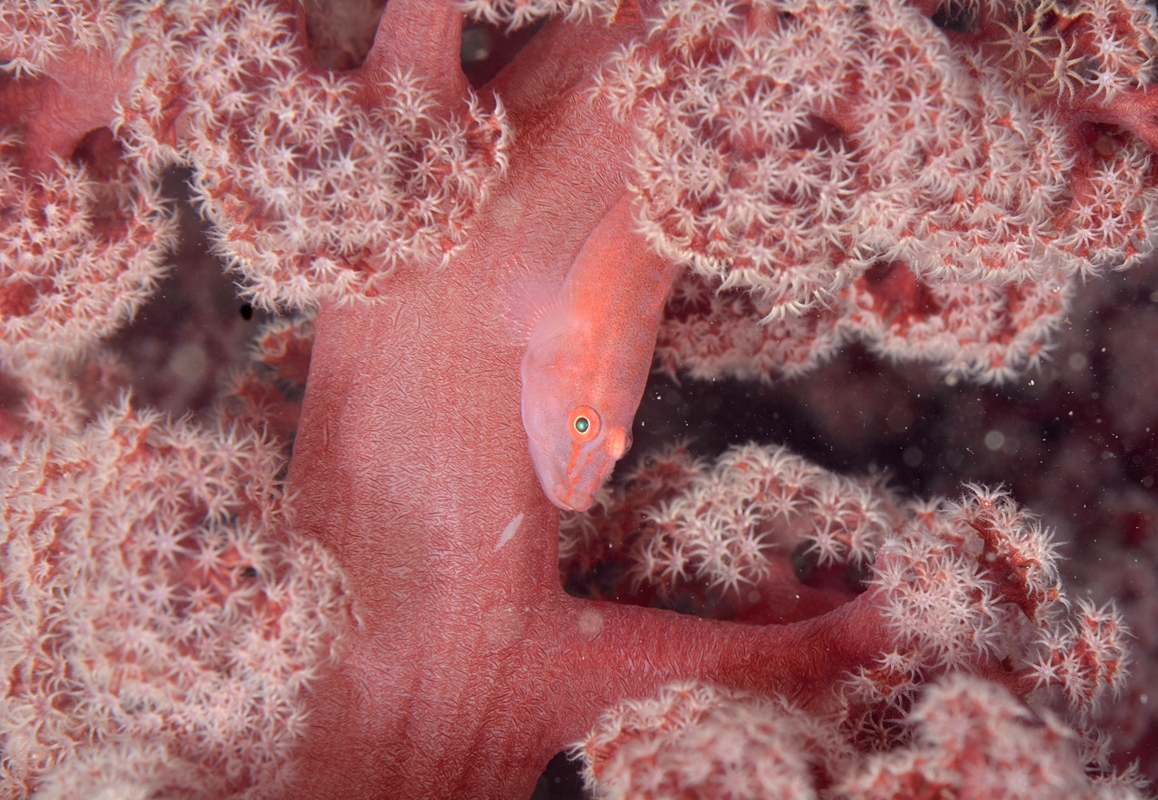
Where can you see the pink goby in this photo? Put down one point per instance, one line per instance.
(589, 350)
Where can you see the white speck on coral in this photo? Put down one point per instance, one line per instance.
(590, 622)
(510, 531)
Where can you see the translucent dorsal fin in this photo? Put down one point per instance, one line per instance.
(536, 301)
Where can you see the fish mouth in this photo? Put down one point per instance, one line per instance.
(581, 500)
(572, 492)
(565, 492)
(557, 484)
(577, 492)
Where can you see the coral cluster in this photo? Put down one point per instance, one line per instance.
(160, 622)
(933, 179)
(969, 737)
(81, 249)
(791, 148)
(968, 587)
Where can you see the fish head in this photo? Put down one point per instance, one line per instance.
(574, 438)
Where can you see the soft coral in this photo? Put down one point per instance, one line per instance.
(473, 667)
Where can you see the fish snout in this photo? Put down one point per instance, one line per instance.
(570, 496)
(576, 488)
(570, 483)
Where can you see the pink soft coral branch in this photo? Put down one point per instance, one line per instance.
(452, 616)
(470, 667)
(410, 463)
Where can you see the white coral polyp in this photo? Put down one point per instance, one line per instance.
(519, 13)
(788, 147)
(78, 257)
(317, 185)
(755, 500)
(699, 740)
(161, 623)
(32, 35)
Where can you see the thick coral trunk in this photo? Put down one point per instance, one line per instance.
(472, 667)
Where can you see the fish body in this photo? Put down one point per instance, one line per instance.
(589, 352)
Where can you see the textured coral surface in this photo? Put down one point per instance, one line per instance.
(341, 577)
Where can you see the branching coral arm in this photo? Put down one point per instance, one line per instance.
(421, 38)
(472, 668)
(411, 461)
(72, 80)
(466, 627)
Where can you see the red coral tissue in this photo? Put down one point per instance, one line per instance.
(340, 577)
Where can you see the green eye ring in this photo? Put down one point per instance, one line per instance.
(584, 424)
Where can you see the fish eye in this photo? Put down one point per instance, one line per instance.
(584, 424)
